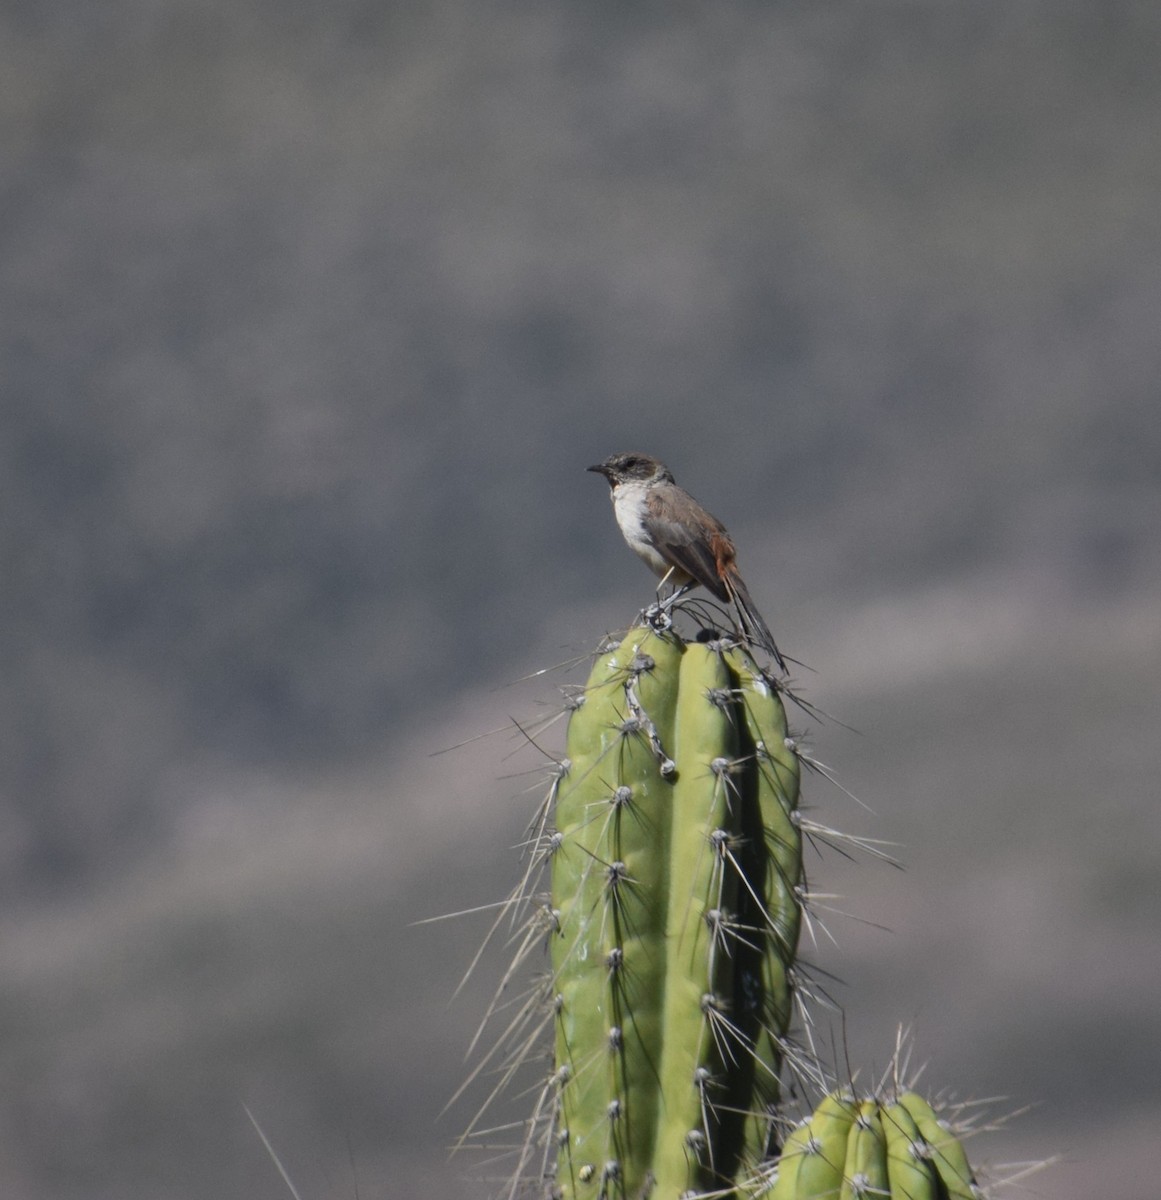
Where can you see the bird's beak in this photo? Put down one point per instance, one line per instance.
(600, 469)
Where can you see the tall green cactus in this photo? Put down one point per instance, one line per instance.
(676, 897)
(674, 843)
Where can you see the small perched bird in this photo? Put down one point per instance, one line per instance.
(678, 540)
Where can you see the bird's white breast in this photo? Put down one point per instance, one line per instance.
(631, 512)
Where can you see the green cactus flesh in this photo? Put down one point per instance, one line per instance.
(676, 892)
(873, 1149)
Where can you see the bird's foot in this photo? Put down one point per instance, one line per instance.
(657, 617)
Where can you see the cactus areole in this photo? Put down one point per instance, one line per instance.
(676, 905)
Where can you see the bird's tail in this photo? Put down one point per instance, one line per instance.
(756, 631)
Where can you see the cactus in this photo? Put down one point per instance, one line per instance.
(892, 1148)
(673, 841)
(676, 896)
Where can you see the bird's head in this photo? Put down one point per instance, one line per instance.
(632, 468)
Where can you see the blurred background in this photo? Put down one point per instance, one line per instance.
(312, 317)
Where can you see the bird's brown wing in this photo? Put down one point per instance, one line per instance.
(672, 533)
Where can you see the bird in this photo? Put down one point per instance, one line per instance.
(679, 541)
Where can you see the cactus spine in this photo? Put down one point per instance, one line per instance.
(676, 893)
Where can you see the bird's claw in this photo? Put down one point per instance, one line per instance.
(657, 617)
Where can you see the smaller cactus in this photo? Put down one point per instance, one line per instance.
(883, 1147)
